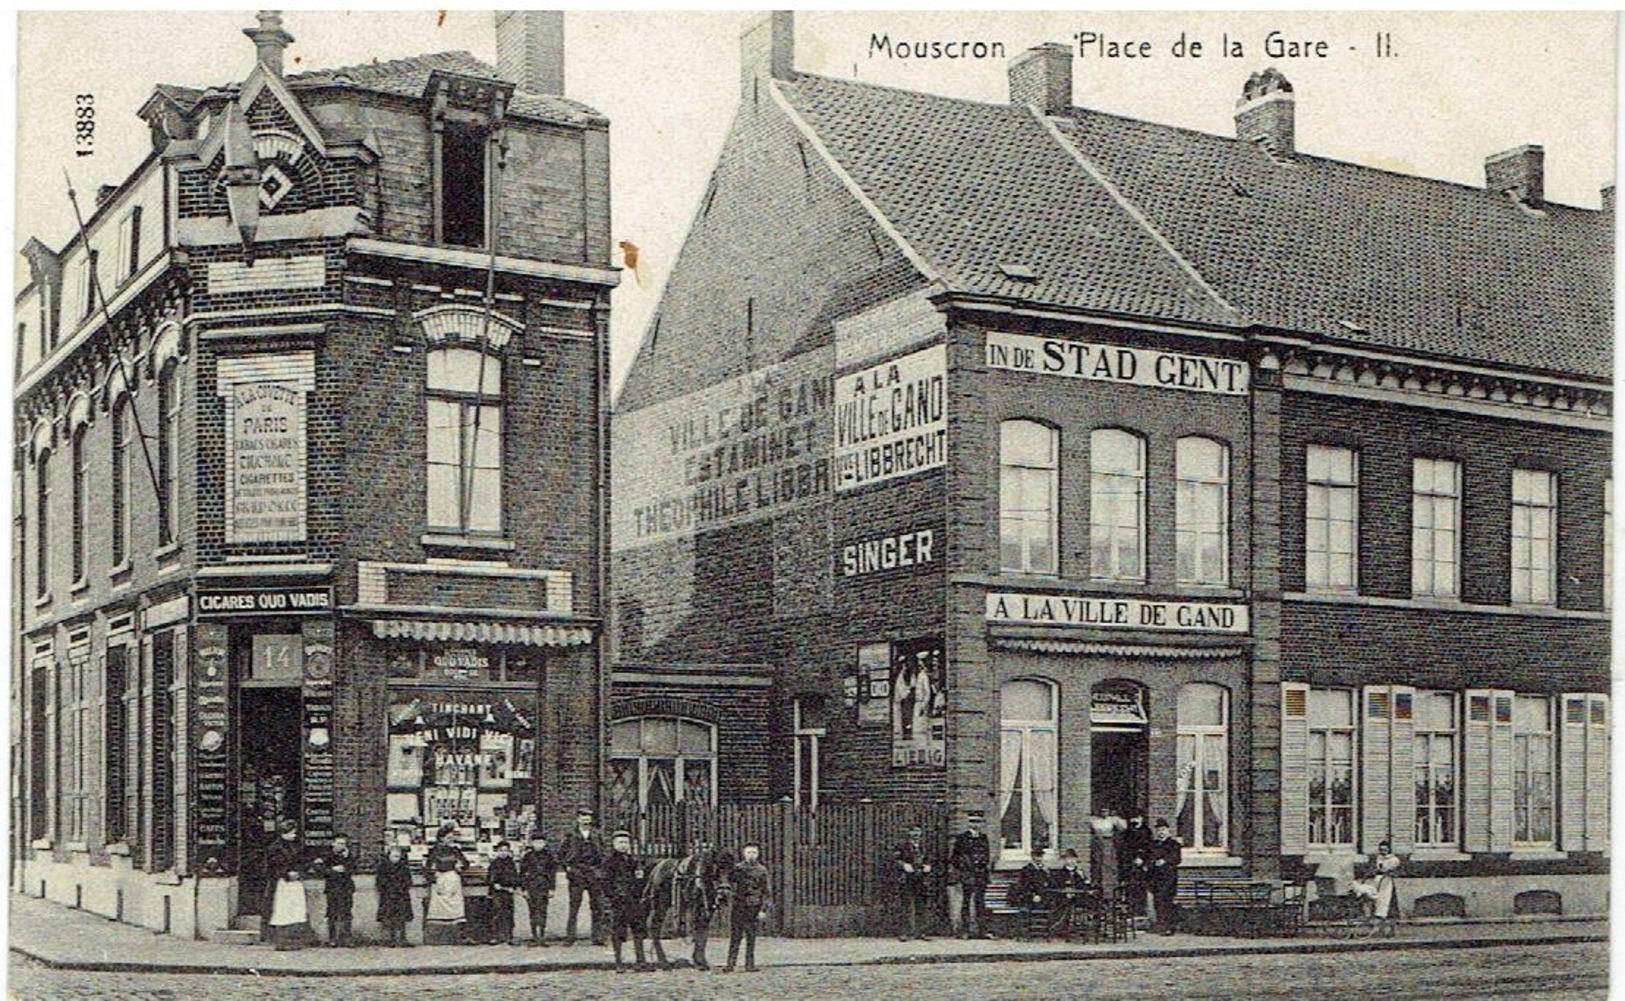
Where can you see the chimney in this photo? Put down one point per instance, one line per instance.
(1041, 78)
(767, 50)
(530, 49)
(105, 192)
(270, 40)
(1266, 112)
(1608, 199)
(1519, 172)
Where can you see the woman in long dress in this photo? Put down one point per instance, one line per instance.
(444, 914)
(290, 914)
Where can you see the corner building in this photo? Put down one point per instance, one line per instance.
(1055, 464)
(310, 522)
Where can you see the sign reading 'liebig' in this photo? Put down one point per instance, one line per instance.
(1112, 363)
(1116, 613)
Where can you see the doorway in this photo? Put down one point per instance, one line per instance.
(1119, 747)
(270, 740)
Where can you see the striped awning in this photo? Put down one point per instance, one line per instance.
(1079, 647)
(439, 630)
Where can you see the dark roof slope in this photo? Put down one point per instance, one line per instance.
(1421, 265)
(407, 77)
(972, 186)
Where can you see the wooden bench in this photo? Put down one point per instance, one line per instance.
(1239, 905)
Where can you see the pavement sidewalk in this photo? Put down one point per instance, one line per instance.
(65, 938)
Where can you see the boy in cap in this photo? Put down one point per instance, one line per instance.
(538, 872)
(338, 884)
(504, 877)
(913, 873)
(623, 883)
(748, 888)
(1162, 873)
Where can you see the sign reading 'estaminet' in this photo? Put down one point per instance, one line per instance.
(891, 419)
(1112, 363)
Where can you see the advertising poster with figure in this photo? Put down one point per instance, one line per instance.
(918, 703)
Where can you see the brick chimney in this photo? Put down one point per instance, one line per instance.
(530, 49)
(1519, 173)
(270, 40)
(1266, 113)
(1608, 199)
(767, 50)
(1041, 78)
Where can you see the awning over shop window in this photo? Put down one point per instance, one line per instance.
(481, 632)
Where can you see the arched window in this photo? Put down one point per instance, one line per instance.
(1202, 511)
(1028, 724)
(121, 481)
(1116, 505)
(78, 472)
(1202, 813)
(657, 761)
(464, 394)
(169, 453)
(42, 526)
(1027, 491)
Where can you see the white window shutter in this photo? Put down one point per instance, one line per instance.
(1294, 768)
(1402, 803)
(1571, 816)
(1597, 775)
(1501, 772)
(1376, 741)
(1476, 776)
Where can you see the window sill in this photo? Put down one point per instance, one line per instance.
(77, 590)
(166, 551)
(1320, 856)
(77, 846)
(42, 601)
(40, 843)
(1439, 855)
(1537, 855)
(446, 540)
(120, 575)
(118, 848)
(1191, 860)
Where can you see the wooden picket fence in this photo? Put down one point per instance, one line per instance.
(829, 867)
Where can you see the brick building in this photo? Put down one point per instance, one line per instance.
(311, 427)
(1058, 464)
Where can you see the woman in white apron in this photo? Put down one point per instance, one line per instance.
(290, 916)
(444, 913)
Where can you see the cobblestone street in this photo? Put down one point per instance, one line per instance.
(1458, 975)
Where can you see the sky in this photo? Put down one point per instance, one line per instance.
(1446, 90)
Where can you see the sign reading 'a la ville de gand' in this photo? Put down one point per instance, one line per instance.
(1113, 363)
(1116, 613)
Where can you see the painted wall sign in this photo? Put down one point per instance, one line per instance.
(748, 448)
(873, 688)
(1117, 613)
(889, 552)
(318, 778)
(1117, 708)
(210, 758)
(919, 703)
(265, 490)
(274, 601)
(891, 420)
(1114, 363)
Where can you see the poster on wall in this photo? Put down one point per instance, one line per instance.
(872, 686)
(918, 703)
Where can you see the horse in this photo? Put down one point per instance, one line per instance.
(687, 887)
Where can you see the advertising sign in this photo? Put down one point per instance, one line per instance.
(891, 419)
(919, 704)
(1116, 613)
(265, 456)
(1112, 363)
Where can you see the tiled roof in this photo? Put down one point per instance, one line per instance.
(407, 77)
(185, 97)
(1314, 246)
(979, 188)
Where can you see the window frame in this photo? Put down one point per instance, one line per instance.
(1431, 500)
(119, 463)
(1548, 511)
(1331, 487)
(679, 758)
(1431, 736)
(1608, 544)
(1327, 762)
(479, 133)
(467, 403)
(1201, 736)
(1102, 495)
(1522, 816)
(1192, 535)
(1023, 795)
(42, 525)
(169, 453)
(79, 458)
(1020, 522)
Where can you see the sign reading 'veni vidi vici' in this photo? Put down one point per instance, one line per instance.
(1114, 363)
(891, 419)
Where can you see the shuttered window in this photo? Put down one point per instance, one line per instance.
(1433, 759)
(1533, 817)
(1330, 759)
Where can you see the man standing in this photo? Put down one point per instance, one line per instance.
(582, 854)
(747, 884)
(504, 877)
(913, 874)
(1162, 873)
(1132, 857)
(624, 877)
(338, 884)
(969, 859)
(538, 871)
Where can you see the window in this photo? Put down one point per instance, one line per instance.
(1608, 544)
(169, 453)
(1435, 528)
(465, 441)
(1116, 505)
(73, 714)
(42, 526)
(1203, 809)
(121, 481)
(1331, 768)
(1027, 766)
(1201, 511)
(114, 748)
(1027, 489)
(462, 179)
(39, 745)
(1331, 502)
(129, 245)
(87, 279)
(1534, 537)
(80, 460)
(1532, 770)
(807, 718)
(657, 761)
(1433, 757)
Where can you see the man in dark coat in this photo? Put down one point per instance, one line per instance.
(1162, 874)
(337, 870)
(1132, 856)
(913, 871)
(624, 880)
(1031, 891)
(582, 854)
(1068, 885)
(538, 872)
(970, 857)
(749, 894)
(504, 879)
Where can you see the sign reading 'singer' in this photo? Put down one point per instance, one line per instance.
(891, 419)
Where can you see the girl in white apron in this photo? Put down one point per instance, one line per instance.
(444, 913)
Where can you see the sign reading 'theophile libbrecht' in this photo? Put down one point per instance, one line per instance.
(1113, 363)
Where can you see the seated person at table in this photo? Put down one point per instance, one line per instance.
(1067, 885)
(1070, 876)
(1031, 884)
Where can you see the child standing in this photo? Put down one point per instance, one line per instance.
(504, 876)
(338, 881)
(394, 896)
(538, 871)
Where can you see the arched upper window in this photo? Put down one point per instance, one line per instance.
(169, 453)
(464, 393)
(1028, 762)
(78, 473)
(1116, 505)
(657, 761)
(42, 525)
(1202, 810)
(120, 513)
(1202, 511)
(1028, 469)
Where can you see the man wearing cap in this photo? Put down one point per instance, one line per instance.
(913, 873)
(624, 879)
(581, 854)
(969, 859)
(1162, 874)
(749, 893)
(538, 871)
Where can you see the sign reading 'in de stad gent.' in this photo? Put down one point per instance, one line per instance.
(1117, 613)
(1113, 363)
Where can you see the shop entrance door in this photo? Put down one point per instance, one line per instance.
(1119, 749)
(268, 788)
